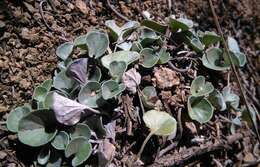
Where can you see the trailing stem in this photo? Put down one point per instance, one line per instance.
(143, 145)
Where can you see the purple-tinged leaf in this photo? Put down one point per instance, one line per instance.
(68, 111)
(78, 70)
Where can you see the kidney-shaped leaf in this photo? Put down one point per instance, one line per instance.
(201, 88)
(97, 43)
(60, 141)
(199, 109)
(149, 96)
(164, 56)
(209, 38)
(90, 94)
(81, 148)
(62, 82)
(160, 123)
(111, 89)
(37, 128)
(15, 116)
(67, 111)
(40, 93)
(180, 24)
(80, 130)
(217, 100)
(154, 26)
(231, 99)
(127, 56)
(148, 58)
(64, 50)
(78, 70)
(213, 59)
(117, 69)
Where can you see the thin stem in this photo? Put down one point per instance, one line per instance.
(233, 68)
(144, 143)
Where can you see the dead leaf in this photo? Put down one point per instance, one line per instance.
(106, 152)
(131, 80)
(82, 6)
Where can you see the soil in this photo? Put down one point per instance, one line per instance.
(30, 31)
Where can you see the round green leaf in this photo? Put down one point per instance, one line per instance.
(64, 50)
(160, 123)
(213, 59)
(148, 58)
(81, 148)
(47, 84)
(97, 43)
(62, 82)
(90, 94)
(180, 24)
(127, 56)
(111, 89)
(231, 99)
(217, 100)
(40, 93)
(80, 130)
(37, 128)
(148, 37)
(200, 109)
(209, 38)
(15, 116)
(154, 26)
(149, 96)
(44, 156)
(117, 69)
(164, 56)
(201, 88)
(232, 44)
(60, 141)
(81, 42)
(196, 45)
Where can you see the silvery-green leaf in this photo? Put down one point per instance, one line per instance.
(97, 43)
(148, 58)
(217, 100)
(233, 45)
(90, 94)
(64, 50)
(209, 38)
(95, 74)
(131, 80)
(137, 47)
(47, 84)
(201, 88)
(148, 37)
(81, 42)
(67, 111)
(78, 70)
(164, 56)
(238, 58)
(149, 97)
(180, 24)
(15, 116)
(80, 130)
(80, 148)
(61, 140)
(160, 123)
(230, 98)
(121, 32)
(127, 56)
(37, 128)
(44, 155)
(196, 44)
(199, 109)
(125, 46)
(40, 93)
(111, 89)
(62, 82)
(154, 26)
(117, 69)
(213, 59)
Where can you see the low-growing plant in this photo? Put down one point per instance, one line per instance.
(66, 111)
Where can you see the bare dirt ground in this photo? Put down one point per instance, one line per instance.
(30, 31)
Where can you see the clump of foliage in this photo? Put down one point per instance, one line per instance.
(58, 118)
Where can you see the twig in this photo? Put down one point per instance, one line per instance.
(233, 67)
(42, 15)
(116, 12)
(178, 69)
